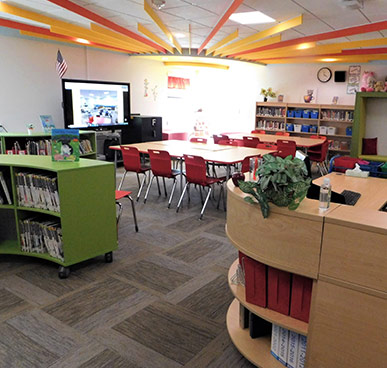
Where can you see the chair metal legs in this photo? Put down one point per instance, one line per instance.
(182, 196)
(148, 188)
(141, 186)
(205, 203)
(138, 180)
(133, 210)
(172, 191)
(165, 189)
(134, 213)
(186, 189)
(122, 181)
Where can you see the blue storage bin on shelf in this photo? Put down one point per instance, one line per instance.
(348, 131)
(314, 115)
(373, 167)
(297, 113)
(305, 128)
(305, 114)
(290, 127)
(290, 113)
(313, 129)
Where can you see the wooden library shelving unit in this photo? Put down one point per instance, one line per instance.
(277, 116)
(40, 140)
(86, 217)
(343, 251)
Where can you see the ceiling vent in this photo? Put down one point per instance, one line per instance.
(352, 4)
(158, 4)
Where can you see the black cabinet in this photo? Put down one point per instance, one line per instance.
(142, 129)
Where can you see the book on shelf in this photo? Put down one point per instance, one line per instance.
(288, 347)
(6, 192)
(85, 146)
(37, 191)
(65, 145)
(41, 236)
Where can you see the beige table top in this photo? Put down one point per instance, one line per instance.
(210, 152)
(373, 190)
(271, 138)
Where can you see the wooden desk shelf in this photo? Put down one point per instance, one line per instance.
(343, 250)
(257, 351)
(269, 315)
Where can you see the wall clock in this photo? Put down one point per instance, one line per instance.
(324, 75)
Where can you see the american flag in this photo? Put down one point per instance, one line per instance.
(61, 65)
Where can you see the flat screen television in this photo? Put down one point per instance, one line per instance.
(95, 104)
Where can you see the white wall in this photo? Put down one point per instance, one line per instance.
(292, 80)
(29, 84)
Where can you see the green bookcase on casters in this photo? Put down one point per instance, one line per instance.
(87, 214)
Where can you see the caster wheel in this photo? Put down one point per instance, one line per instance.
(63, 272)
(109, 257)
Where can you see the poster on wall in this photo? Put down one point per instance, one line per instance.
(353, 79)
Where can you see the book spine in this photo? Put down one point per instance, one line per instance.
(283, 345)
(292, 360)
(275, 341)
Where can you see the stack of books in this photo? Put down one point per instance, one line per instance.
(288, 347)
(37, 191)
(85, 146)
(37, 236)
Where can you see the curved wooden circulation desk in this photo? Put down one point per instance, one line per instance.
(344, 251)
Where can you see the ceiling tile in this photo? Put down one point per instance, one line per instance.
(22, 20)
(36, 5)
(188, 12)
(365, 36)
(217, 7)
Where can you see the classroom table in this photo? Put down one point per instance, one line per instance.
(271, 138)
(373, 190)
(226, 155)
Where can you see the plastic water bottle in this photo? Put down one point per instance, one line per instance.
(325, 195)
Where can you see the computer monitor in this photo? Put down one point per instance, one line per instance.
(95, 103)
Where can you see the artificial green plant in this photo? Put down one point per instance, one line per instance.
(268, 92)
(284, 182)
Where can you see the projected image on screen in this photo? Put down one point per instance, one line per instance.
(95, 104)
(98, 107)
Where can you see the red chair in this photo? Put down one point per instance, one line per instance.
(132, 162)
(258, 131)
(286, 148)
(195, 167)
(320, 157)
(251, 142)
(198, 140)
(125, 194)
(161, 167)
(318, 137)
(219, 137)
(285, 134)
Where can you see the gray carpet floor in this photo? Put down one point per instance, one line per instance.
(161, 303)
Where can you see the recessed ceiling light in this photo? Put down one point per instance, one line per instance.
(329, 60)
(179, 35)
(82, 40)
(255, 17)
(307, 45)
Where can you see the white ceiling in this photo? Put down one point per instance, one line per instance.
(319, 16)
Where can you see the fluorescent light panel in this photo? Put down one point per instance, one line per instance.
(255, 17)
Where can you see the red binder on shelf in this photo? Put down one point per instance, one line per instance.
(301, 297)
(278, 290)
(255, 282)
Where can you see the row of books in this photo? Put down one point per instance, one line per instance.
(288, 347)
(85, 146)
(37, 191)
(40, 147)
(271, 111)
(270, 125)
(337, 115)
(39, 236)
(5, 194)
